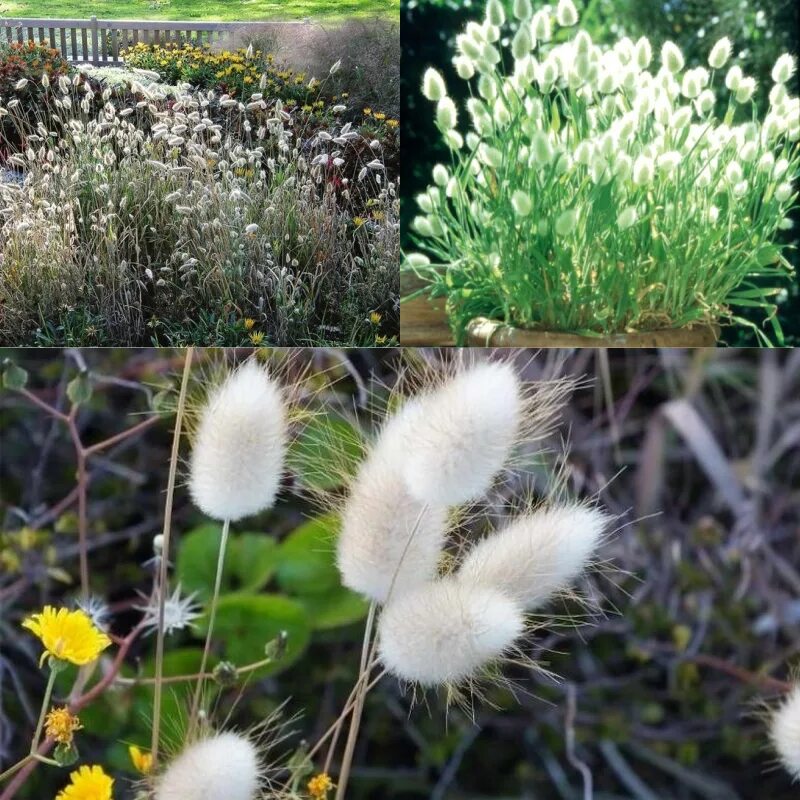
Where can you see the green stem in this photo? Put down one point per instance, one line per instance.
(45, 705)
(15, 767)
(212, 615)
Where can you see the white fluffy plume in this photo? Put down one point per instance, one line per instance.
(463, 434)
(447, 631)
(536, 554)
(224, 767)
(785, 733)
(238, 454)
(376, 551)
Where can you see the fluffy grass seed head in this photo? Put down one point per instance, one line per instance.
(536, 555)
(433, 85)
(720, 53)
(784, 732)
(222, 767)
(67, 635)
(784, 68)
(88, 783)
(240, 445)
(447, 632)
(672, 57)
(376, 553)
(462, 434)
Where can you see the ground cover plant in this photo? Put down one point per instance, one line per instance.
(231, 210)
(221, 10)
(758, 31)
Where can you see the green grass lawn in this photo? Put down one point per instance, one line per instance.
(218, 10)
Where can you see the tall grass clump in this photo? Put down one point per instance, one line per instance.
(167, 218)
(596, 191)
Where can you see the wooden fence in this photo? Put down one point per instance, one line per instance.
(100, 41)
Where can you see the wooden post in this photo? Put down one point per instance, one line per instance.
(95, 53)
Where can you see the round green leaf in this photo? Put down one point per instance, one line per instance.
(246, 623)
(306, 558)
(335, 609)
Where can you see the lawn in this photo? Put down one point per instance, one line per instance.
(219, 10)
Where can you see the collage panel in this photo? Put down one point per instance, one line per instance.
(298, 574)
(609, 173)
(199, 172)
(398, 400)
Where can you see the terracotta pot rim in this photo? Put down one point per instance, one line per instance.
(484, 332)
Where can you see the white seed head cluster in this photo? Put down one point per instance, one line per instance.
(784, 732)
(642, 126)
(223, 767)
(444, 448)
(240, 445)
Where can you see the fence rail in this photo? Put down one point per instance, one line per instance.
(100, 41)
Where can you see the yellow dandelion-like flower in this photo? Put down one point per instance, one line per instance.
(380, 115)
(380, 340)
(393, 123)
(87, 783)
(67, 635)
(375, 318)
(60, 725)
(367, 112)
(256, 337)
(320, 785)
(249, 323)
(358, 221)
(142, 761)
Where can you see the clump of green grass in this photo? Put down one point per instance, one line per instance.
(595, 196)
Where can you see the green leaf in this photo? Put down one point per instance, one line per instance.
(250, 560)
(14, 377)
(335, 609)
(246, 623)
(79, 389)
(326, 453)
(306, 558)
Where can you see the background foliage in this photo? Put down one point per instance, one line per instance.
(698, 452)
(760, 29)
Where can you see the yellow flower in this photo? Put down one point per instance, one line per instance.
(67, 635)
(60, 725)
(142, 761)
(375, 318)
(358, 221)
(319, 786)
(392, 123)
(248, 324)
(87, 783)
(367, 112)
(256, 337)
(380, 340)
(380, 115)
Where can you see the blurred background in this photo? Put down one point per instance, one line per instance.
(661, 695)
(760, 29)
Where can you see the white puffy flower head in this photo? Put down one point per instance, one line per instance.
(784, 68)
(566, 14)
(463, 433)
(237, 459)
(720, 53)
(223, 767)
(537, 554)
(433, 86)
(447, 631)
(784, 732)
(672, 57)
